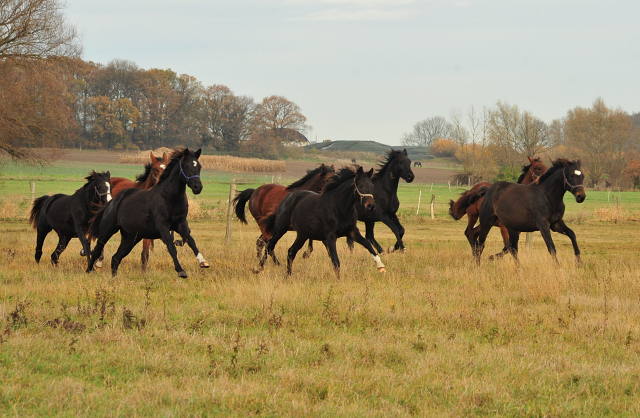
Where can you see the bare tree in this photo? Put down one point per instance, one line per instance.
(276, 113)
(226, 117)
(427, 131)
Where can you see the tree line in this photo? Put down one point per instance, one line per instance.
(493, 142)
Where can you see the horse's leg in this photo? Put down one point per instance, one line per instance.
(127, 242)
(485, 227)
(97, 255)
(399, 243)
(330, 243)
(293, 250)
(357, 237)
(505, 240)
(369, 235)
(185, 233)
(307, 253)
(545, 231)
(260, 244)
(562, 228)
(514, 237)
(165, 234)
(144, 256)
(271, 245)
(43, 231)
(388, 221)
(63, 241)
(350, 244)
(86, 246)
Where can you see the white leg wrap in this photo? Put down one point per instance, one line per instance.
(379, 264)
(200, 258)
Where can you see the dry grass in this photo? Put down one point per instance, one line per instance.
(216, 162)
(435, 336)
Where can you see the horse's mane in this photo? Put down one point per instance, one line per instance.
(141, 178)
(525, 169)
(310, 174)
(388, 159)
(342, 175)
(174, 158)
(558, 164)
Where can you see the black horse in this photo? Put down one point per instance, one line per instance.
(417, 164)
(69, 215)
(533, 207)
(151, 213)
(324, 217)
(395, 166)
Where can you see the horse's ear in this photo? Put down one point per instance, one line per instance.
(153, 157)
(108, 174)
(531, 160)
(164, 157)
(360, 170)
(579, 164)
(370, 173)
(197, 153)
(404, 151)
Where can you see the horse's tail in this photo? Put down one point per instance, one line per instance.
(37, 207)
(458, 209)
(268, 224)
(240, 201)
(94, 225)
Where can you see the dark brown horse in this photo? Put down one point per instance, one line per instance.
(533, 207)
(264, 201)
(470, 202)
(146, 180)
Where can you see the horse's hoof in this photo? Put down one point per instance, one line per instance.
(255, 270)
(491, 258)
(98, 264)
(382, 270)
(178, 243)
(182, 274)
(306, 255)
(204, 265)
(391, 249)
(82, 252)
(403, 250)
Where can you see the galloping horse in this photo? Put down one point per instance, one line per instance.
(395, 166)
(534, 207)
(324, 217)
(151, 213)
(146, 180)
(470, 201)
(69, 215)
(264, 200)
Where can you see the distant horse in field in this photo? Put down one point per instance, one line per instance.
(353, 161)
(151, 213)
(324, 217)
(395, 166)
(470, 201)
(69, 215)
(146, 180)
(264, 200)
(534, 207)
(417, 164)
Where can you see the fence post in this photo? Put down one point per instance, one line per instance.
(419, 198)
(232, 194)
(33, 191)
(529, 240)
(449, 183)
(433, 198)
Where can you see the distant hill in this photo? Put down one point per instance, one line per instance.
(415, 153)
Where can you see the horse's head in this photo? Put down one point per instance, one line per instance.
(573, 179)
(400, 165)
(536, 169)
(190, 170)
(364, 189)
(157, 167)
(102, 186)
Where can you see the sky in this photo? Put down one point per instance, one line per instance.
(372, 69)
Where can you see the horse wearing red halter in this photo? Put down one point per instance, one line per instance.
(144, 181)
(264, 201)
(469, 203)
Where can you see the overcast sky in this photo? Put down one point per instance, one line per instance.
(371, 69)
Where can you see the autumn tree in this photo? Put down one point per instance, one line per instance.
(632, 172)
(427, 131)
(444, 148)
(226, 117)
(34, 102)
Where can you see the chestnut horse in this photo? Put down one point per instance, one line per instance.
(264, 201)
(146, 180)
(470, 202)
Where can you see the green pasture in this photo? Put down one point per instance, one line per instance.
(434, 336)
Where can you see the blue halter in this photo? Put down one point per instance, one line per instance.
(185, 176)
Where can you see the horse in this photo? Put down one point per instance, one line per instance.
(417, 164)
(353, 161)
(151, 213)
(324, 217)
(396, 165)
(146, 180)
(264, 201)
(68, 215)
(470, 201)
(534, 207)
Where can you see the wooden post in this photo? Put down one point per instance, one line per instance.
(232, 194)
(529, 240)
(449, 183)
(433, 199)
(419, 198)
(33, 191)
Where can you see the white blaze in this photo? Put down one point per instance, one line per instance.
(162, 166)
(108, 190)
(578, 172)
(195, 163)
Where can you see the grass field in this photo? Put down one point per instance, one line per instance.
(434, 336)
